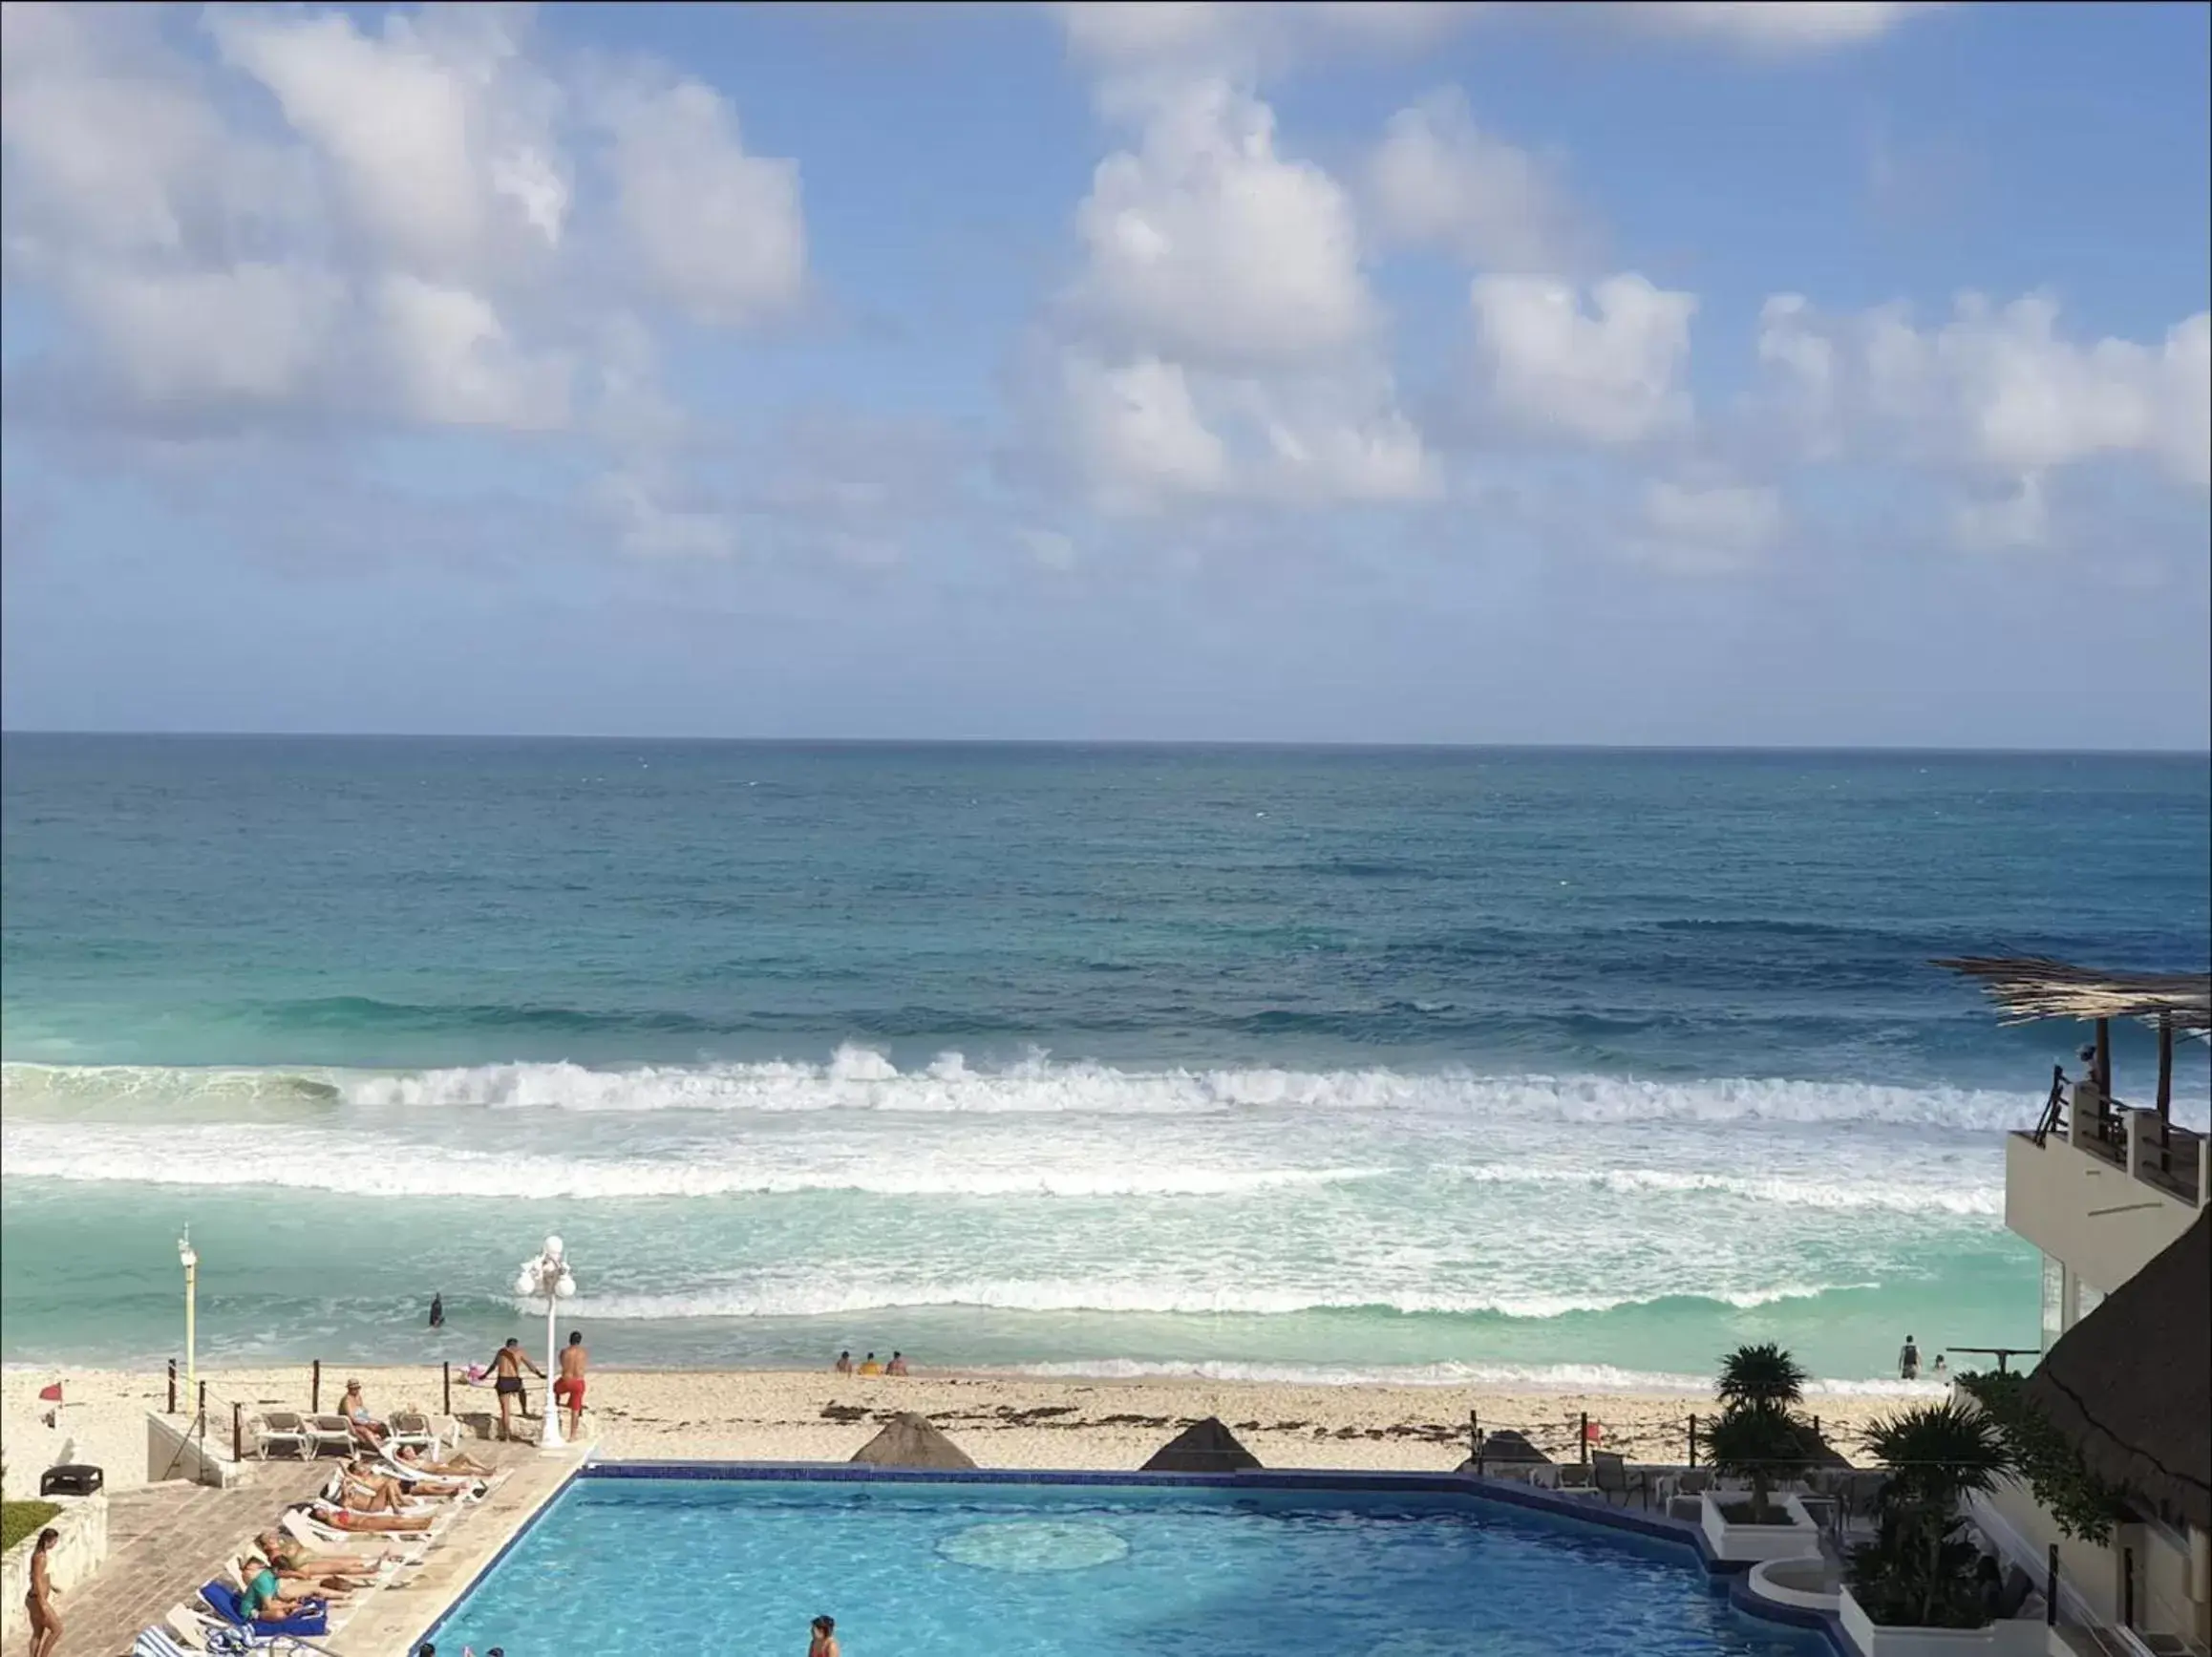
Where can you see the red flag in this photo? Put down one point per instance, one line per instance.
(50, 1394)
(1594, 1432)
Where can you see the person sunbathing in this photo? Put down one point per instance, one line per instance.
(455, 1465)
(372, 1483)
(365, 1428)
(294, 1559)
(366, 1493)
(262, 1601)
(299, 1582)
(345, 1519)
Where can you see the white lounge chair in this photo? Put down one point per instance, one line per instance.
(327, 1539)
(414, 1428)
(275, 1427)
(331, 1434)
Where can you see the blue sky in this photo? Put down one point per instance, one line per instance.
(1695, 373)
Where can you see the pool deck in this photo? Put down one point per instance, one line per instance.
(395, 1619)
(415, 1612)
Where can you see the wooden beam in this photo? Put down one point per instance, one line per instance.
(2165, 1068)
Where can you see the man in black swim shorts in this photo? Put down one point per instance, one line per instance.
(507, 1366)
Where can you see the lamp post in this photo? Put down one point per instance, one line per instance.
(548, 1275)
(189, 1258)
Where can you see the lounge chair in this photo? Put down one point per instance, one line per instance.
(272, 1428)
(324, 1539)
(222, 1599)
(331, 1434)
(415, 1429)
(1508, 1454)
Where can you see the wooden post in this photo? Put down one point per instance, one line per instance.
(1585, 1439)
(449, 1386)
(315, 1390)
(1694, 1441)
(200, 1424)
(172, 1410)
(237, 1432)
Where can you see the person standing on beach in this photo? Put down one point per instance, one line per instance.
(569, 1389)
(1908, 1361)
(507, 1366)
(45, 1622)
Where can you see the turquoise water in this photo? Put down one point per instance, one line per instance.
(1420, 1065)
(620, 1566)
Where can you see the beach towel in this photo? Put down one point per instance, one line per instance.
(222, 1598)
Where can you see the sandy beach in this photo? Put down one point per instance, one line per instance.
(1001, 1420)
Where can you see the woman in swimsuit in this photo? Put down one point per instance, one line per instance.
(38, 1601)
(825, 1641)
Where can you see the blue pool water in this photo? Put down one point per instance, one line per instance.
(625, 1565)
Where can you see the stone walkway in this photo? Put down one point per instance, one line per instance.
(163, 1541)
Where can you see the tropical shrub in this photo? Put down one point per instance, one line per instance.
(1920, 1569)
(1757, 1437)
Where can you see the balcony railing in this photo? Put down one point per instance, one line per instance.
(2141, 1143)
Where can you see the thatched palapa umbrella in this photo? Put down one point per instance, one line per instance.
(2130, 1383)
(911, 1441)
(1203, 1447)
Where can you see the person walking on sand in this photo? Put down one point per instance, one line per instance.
(1908, 1361)
(845, 1364)
(45, 1621)
(823, 1640)
(569, 1389)
(507, 1366)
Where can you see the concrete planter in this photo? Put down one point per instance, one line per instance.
(1800, 1584)
(83, 1548)
(2012, 1637)
(1731, 1541)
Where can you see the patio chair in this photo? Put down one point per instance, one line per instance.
(414, 1428)
(331, 1434)
(275, 1427)
(1609, 1477)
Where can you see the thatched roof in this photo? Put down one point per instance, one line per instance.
(911, 1441)
(2130, 1383)
(1203, 1447)
(1511, 1448)
(2030, 987)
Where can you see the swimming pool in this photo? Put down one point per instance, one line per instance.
(623, 1566)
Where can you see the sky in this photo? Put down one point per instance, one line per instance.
(1694, 373)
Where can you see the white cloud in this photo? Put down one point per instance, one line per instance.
(1710, 529)
(1994, 389)
(718, 231)
(1137, 434)
(1608, 376)
(649, 522)
(253, 334)
(1781, 26)
(1206, 245)
(1437, 180)
(439, 132)
(456, 366)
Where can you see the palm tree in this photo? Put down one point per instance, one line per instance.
(1762, 1444)
(1937, 1455)
(1763, 1376)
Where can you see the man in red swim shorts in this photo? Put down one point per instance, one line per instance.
(569, 1388)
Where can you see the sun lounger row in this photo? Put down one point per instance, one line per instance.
(308, 1434)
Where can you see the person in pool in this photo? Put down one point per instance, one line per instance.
(507, 1366)
(824, 1638)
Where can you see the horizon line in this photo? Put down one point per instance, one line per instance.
(1129, 742)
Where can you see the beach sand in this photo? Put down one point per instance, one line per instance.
(1002, 1421)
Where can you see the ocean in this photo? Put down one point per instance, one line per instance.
(1555, 1067)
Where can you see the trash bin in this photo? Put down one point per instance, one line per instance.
(73, 1479)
